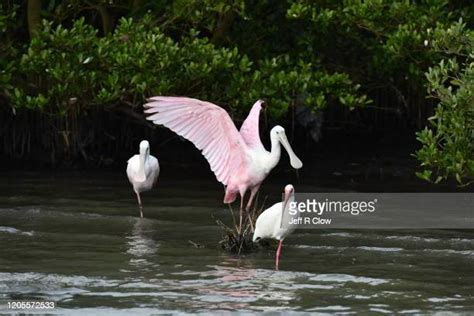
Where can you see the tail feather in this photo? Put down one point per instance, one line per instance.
(229, 196)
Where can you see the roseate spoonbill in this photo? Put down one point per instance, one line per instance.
(142, 171)
(269, 223)
(238, 159)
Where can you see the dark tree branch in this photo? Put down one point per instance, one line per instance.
(226, 19)
(107, 23)
(34, 17)
(127, 109)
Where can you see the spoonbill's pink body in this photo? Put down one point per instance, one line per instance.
(238, 159)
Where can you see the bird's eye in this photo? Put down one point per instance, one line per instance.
(258, 238)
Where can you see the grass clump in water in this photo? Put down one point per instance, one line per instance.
(239, 240)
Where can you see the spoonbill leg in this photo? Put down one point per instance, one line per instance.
(241, 210)
(140, 207)
(278, 253)
(253, 192)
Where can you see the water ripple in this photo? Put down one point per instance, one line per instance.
(12, 230)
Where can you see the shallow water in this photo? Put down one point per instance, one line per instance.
(76, 239)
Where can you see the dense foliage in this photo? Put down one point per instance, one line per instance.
(94, 59)
(138, 59)
(448, 145)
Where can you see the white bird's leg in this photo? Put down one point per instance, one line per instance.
(139, 203)
(278, 253)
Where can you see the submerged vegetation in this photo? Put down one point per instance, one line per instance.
(238, 240)
(74, 74)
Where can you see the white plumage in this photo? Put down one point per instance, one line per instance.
(269, 223)
(142, 171)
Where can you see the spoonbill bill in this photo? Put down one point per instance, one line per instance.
(142, 171)
(269, 223)
(238, 159)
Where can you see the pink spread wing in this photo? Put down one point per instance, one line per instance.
(250, 128)
(207, 126)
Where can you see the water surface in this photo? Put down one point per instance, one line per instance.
(75, 239)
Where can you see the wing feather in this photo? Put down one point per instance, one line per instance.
(250, 128)
(207, 126)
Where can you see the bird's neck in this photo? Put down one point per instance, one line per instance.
(142, 158)
(275, 152)
(285, 212)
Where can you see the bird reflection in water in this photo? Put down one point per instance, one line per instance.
(141, 244)
(236, 288)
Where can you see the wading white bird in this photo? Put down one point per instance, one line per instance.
(142, 171)
(238, 159)
(270, 224)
